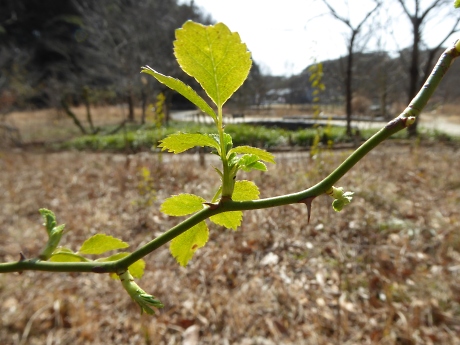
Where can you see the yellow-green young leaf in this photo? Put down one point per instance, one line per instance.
(67, 257)
(49, 218)
(101, 243)
(136, 269)
(182, 205)
(185, 245)
(180, 142)
(262, 154)
(214, 56)
(457, 3)
(62, 250)
(230, 220)
(245, 191)
(183, 89)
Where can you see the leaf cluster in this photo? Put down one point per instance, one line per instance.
(97, 245)
(220, 63)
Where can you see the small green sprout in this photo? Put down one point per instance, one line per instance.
(142, 298)
(54, 233)
(341, 198)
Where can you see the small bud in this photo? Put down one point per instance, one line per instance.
(335, 192)
(53, 241)
(341, 198)
(144, 300)
(54, 233)
(410, 120)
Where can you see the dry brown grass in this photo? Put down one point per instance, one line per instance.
(52, 124)
(384, 271)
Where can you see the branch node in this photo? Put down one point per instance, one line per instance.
(211, 205)
(393, 123)
(99, 269)
(22, 258)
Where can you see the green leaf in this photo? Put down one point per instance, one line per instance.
(185, 245)
(228, 142)
(180, 142)
(63, 250)
(143, 299)
(344, 200)
(54, 237)
(214, 56)
(136, 269)
(230, 220)
(49, 218)
(65, 256)
(183, 89)
(457, 3)
(262, 154)
(101, 243)
(250, 162)
(182, 205)
(245, 191)
(256, 166)
(338, 205)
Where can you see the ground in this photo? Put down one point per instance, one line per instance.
(386, 270)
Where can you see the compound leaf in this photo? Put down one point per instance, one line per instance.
(185, 245)
(214, 56)
(100, 243)
(180, 142)
(243, 191)
(262, 154)
(183, 89)
(182, 205)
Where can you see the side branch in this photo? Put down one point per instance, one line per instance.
(440, 69)
(394, 126)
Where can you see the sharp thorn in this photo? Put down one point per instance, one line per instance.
(308, 201)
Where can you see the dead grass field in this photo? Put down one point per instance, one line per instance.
(51, 124)
(386, 270)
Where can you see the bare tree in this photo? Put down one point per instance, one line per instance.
(351, 45)
(419, 17)
(127, 34)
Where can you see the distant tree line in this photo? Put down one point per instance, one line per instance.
(379, 80)
(71, 52)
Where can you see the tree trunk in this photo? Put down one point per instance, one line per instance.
(348, 83)
(89, 118)
(130, 99)
(414, 76)
(72, 116)
(144, 105)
